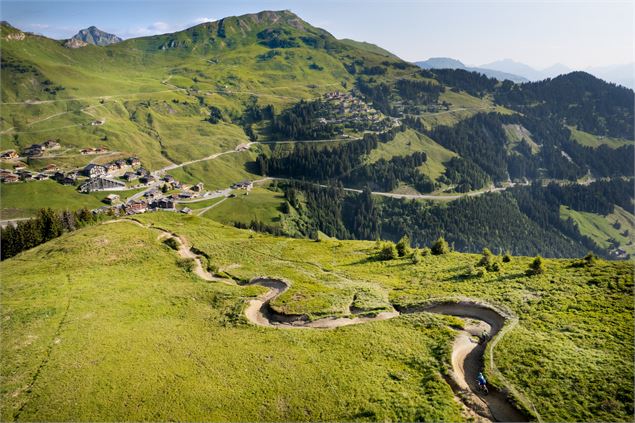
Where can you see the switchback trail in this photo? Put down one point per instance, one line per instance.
(467, 351)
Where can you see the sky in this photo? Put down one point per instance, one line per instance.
(540, 33)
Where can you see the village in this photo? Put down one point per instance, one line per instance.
(352, 112)
(155, 191)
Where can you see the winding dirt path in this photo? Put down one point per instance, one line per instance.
(467, 352)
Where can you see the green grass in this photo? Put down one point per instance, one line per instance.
(25, 199)
(595, 141)
(409, 142)
(258, 204)
(516, 133)
(601, 228)
(133, 316)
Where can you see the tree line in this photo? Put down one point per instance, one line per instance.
(46, 225)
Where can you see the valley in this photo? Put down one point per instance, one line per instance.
(252, 220)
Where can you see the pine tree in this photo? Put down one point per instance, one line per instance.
(536, 267)
(440, 246)
(403, 246)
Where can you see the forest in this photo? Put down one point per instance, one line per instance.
(523, 220)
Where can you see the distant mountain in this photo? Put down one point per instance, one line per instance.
(449, 63)
(620, 74)
(517, 68)
(92, 35)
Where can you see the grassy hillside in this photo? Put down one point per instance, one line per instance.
(595, 141)
(618, 227)
(82, 311)
(409, 142)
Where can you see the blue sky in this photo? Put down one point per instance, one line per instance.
(539, 33)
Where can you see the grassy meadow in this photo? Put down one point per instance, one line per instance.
(90, 318)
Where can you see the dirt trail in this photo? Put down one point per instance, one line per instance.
(467, 352)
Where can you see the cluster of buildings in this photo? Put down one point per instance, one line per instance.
(91, 150)
(37, 150)
(109, 169)
(349, 109)
(21, 174)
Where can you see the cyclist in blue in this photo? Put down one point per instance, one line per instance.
(481, 381)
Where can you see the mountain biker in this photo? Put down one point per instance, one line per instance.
(482, 383)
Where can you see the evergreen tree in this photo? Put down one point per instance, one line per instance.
(403, 246)
(388, 251)
(536, 267)
(440, 246)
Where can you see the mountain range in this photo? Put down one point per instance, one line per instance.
(623, 74)
(225, 101)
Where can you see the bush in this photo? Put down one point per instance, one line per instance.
(440, 246)
(507, 257)
(536, 267)
(403, 246)
(487, 259)
(416, 256)
(388, 251)
(172, 243)
(425, 251)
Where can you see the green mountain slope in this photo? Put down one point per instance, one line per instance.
(113, 303)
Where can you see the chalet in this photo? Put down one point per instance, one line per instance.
(185, 195)
(94, 170)
(10, 179)
(4, 172)
(164, 204)
(87, 151)
(41, 177)
(101, 150)
(186, 210)
(243, 185)
(35, 150)
(151, 193)
(97, 122)
(19, 166)
(169, 179)
(147, 179)
(121, 164)
(69, 179)
(111, 167)
(130, 176)
(101, 184)
(9, 155)
(50, 168)
(25, 175)
(136, 207)
(111, 199)
(133, 161)
(198, 187)
(142, 171)
(51, 145)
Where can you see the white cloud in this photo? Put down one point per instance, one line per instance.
(198, 21)
(162, 28)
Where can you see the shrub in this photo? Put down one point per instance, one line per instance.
(440, 246)
(187, 264)
(416, 256)
(536, 267)
(388, 251)
(172, 243)
(403, 246)
(425, 251)
(487, 259)
(507, 257)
